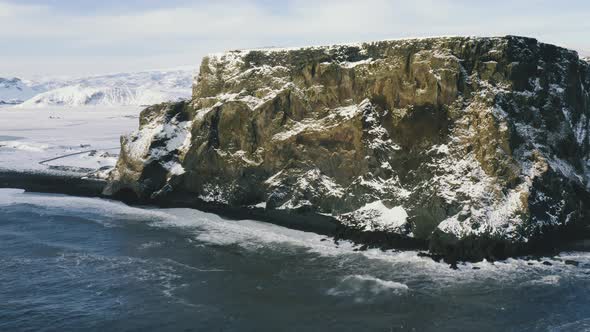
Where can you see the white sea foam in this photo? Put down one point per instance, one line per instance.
(80, 205)
(162, 275)
(150, 245)
(546, 280)
(252, 234)
(365, 288)
(578, 325)
(407, 266)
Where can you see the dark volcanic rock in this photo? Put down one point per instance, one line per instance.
(477, 146)
(571, 262)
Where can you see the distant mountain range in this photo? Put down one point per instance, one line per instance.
(15, 91)
(122, 89)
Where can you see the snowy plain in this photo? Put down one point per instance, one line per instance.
(84, 139)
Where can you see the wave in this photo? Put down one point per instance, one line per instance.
(578, 325)
(366, 288)
(70, 205)
(407, 266)
(546, 280)
(249, 234)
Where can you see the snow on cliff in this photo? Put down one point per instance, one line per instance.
(124, 89)
(456, 141)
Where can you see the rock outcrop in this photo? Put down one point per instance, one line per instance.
(478, 147)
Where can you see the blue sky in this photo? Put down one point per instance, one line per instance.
(76, 38)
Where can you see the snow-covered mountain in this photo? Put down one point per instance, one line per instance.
(141, 88)
(15, 91)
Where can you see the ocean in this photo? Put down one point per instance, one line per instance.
(70, 263)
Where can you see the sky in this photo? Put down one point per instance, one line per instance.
(41, 38)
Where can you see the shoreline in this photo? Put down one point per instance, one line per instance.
(53, 183)
(77, 185)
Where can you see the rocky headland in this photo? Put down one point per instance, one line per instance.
(472, 147)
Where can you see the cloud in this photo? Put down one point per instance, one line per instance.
(9, 10)
(46, 34)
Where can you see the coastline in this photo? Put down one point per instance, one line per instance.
(473, 250)
(53, 183)
(77, 185)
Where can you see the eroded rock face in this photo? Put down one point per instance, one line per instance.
(477, 145)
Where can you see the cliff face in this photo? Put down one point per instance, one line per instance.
(477, 145)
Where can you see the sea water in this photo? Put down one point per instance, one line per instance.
(70, 263)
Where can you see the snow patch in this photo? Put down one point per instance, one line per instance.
(24, 146)
(376, 216)
(388, 217)
(350, 65)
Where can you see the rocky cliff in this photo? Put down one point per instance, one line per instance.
(478, 147)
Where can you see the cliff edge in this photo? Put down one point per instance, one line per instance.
(478, 147)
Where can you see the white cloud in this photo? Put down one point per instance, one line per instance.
(41, 37)
(9, 10)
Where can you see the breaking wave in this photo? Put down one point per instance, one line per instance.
(92, 208)
(211, 229)
(365, 288)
